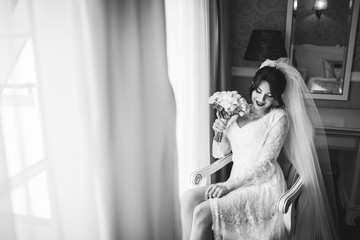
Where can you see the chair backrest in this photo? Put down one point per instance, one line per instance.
(290, 173)
(288, 202)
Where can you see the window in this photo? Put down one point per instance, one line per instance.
(23, 148)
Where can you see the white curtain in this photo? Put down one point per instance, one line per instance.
(88, 145)
(188, 46)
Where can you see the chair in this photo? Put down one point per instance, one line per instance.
(288, 201)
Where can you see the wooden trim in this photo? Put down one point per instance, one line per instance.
(250, 72)
(288, 27)
(290, 196)
(198, 175)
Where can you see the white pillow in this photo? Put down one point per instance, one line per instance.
(310, 57)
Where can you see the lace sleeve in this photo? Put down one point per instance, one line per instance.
(264, 164)
(221, 149)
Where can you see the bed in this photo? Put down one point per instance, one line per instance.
(324, 85)
(321, 67)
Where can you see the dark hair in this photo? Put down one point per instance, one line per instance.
(276, 80)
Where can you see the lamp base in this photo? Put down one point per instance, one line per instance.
(318, 13)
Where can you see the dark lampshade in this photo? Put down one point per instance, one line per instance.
(265, 44)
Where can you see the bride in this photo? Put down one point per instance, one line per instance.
(281, 118)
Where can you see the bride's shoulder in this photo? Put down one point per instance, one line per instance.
(278, 113)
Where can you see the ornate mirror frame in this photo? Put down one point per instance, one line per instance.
(349, 53)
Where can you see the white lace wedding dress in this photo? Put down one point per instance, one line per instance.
(250, 211)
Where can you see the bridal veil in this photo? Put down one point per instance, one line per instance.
(316, 214)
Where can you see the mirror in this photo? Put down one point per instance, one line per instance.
(321, 44)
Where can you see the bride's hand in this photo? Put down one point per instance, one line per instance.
(219, 125)
(216, 190)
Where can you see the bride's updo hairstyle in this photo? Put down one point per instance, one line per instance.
(276, 80)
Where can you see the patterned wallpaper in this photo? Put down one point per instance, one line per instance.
(249, 15)
(271, 14)
(331, 29)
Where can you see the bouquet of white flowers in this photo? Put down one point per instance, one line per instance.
(227, 104)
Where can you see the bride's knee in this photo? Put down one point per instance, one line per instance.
(188, 199)
(202, 215)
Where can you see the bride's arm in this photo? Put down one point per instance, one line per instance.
(221, 149)
(268, 154)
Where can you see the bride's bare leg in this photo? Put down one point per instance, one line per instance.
(189, 200)
(202, 221)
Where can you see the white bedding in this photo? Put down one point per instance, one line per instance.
(324, 85)
(310, 58)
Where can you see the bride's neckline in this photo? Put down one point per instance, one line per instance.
(252, 119)
(245, 124)
(254, 115)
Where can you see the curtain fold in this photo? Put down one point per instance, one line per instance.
(107, 168)
(188, 48)
(221, 64)
(142, 119)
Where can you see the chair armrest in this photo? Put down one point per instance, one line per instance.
(196, 176)
(290, 196)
